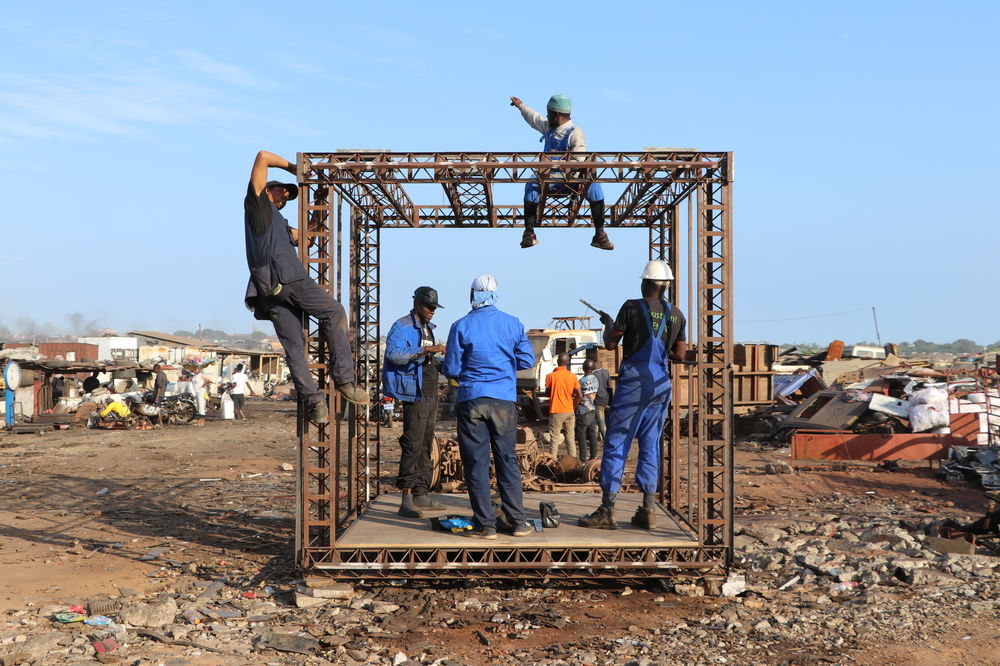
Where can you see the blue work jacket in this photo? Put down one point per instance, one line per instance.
(486, 348)
(403, 366)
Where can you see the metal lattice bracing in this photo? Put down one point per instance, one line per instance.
(338, 479)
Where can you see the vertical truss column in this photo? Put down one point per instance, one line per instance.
(317, 477)
(662, 247)
(714, 272)
(366, 300)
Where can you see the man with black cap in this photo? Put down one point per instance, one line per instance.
(281, 291)
(410, 375)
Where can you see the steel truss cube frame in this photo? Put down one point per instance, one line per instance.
(339, 476)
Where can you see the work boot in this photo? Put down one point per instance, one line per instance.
(319, 413)
(353, 393)
(644, 518)
(600, 240)
(523, 529)
(488, 533)
(407, 508)
(530, 215)
(602, 519)
(424, 501)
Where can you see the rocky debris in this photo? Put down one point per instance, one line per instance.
(159, 613)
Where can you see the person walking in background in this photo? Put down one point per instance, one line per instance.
(196, 385)
(241, 384)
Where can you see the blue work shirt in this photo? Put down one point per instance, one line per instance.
(486, 348)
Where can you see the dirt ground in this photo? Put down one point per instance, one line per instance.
(79, 508)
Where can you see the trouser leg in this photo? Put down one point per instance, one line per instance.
(502, 421)
(423, 482)
(530, 206)
(602, 425)
(313, 300)
(555, 433)
(581, 437)
(650, 435)
(595, 195)
(569, 428)
(592, 439)
(474, 447)
(287, 322)
(415, 457)
(622, 426)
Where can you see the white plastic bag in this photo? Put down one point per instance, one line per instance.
(925, 417)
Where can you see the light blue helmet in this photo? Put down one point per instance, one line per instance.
(560, 104)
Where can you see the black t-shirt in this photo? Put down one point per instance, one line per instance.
(632, 322)
(257, 210)
(160, 385)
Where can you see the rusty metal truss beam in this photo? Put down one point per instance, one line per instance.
(376, 182)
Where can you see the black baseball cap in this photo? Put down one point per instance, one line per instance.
(427, 296)
(293, 190)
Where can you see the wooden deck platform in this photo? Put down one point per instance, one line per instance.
(381, 527)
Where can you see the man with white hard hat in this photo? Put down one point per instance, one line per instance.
(485, 350)
(651, 333)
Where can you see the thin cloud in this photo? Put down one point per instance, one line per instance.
(85, 108)
(222, 71)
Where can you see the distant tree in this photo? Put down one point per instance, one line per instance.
(214, 335)
(184, 334)
(4, 331)
(257, 336)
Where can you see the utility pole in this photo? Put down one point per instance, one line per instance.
(875, 317)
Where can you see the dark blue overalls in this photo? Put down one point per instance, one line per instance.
(638, 410)
(554, 145)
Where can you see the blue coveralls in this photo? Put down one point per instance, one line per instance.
(554, 145)
(639, 409)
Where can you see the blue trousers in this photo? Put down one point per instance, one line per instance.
(531, 190)
(484, 425)
(625, 423)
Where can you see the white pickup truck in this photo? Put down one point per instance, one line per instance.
(547, 344)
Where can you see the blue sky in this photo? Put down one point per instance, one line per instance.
(865, 139)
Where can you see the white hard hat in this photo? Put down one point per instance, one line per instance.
(657, 271)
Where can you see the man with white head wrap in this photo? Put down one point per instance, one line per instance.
(485, 350)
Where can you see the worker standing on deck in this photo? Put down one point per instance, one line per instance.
(410, 375)
(281, 291)
(485, 350)
(559, 135)
(651, 332)
(564, 395)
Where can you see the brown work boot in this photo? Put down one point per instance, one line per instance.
(602, 242)
(644, 518)
(528, 239)
(319, 412)
(602, 519)
(353, 393)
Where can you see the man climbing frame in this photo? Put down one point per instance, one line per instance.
(651, 332)
(559, 136)
(281, 291)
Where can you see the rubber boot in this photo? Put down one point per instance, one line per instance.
(424, 501)
(407, 509)
(600, 240)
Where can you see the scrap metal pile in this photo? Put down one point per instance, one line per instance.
(836, 393)
(540, 471)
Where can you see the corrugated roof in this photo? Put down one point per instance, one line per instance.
(832, 370)
(173, 339)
